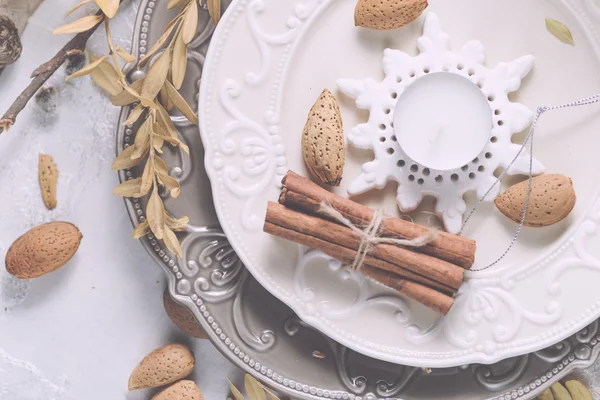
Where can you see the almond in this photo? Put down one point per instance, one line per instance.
(48, 177)
(182, 390)
(387, 14)
(552, 200)
(182, 317)
(578, 391)
(323, 140)
(163, 366)
(43, 249)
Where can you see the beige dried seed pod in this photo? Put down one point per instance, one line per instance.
(387, 14)
(578, 390)
(162, 366)
(552, 200)
(559, 392)
(546, 395)
(323, 144)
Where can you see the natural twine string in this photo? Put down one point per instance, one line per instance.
(370, 234)
(529, 139)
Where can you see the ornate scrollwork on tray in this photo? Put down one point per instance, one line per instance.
(502, 374)
(210, 266)
(260, 342)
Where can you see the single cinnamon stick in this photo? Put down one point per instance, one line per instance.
(302, 193)
(421, 264)
(435, 300)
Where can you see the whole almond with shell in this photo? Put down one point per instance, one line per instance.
(323, 144)
(552, 200)
(43, 249)
(182, 390)
(162, 366)
(387, 14)
(182, 317)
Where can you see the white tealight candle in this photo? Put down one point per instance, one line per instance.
(443, 121)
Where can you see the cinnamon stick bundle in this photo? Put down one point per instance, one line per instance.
(403, 262)
(431, 298)
(303, 194)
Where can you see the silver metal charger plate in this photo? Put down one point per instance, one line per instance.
(263, 336)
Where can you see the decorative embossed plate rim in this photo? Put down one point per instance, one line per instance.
(433, 346)
(349, 376)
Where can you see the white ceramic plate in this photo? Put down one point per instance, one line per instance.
(268, 63)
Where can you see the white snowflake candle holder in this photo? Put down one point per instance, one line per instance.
(440, 124)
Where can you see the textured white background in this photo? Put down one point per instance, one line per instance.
(78, 332)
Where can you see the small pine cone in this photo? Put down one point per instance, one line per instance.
(10, 43)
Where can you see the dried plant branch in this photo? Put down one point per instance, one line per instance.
(43, 73)
(153, 97)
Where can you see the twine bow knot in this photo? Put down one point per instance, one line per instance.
(370, 234)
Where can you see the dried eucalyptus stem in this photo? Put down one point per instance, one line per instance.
(153, 97)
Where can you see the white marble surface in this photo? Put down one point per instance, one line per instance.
(78, 332)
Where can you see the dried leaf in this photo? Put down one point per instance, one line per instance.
(175, 20)
(236, 393)
(147, 178)
(134, 115)
(160, 166)
(156, 46)
(176, 3)
(177, 142)
(270, 394)
(124, 160)
(167, 123)
(77, 7)
(124, 55)
(125, 97)
(157, 75)
(158, 142)
(560, 31)
(179, 61)
(146, 102)
(108, 7)
(107, 77)
(177, 225)
(130, 188)
(163, 99)
(172, 242)
(142, 139)
(254, 390)
(214, 9)
(190, 23)
(87, 69)
(81, 25)
(141, 230)
(155, 213)
(171, 184)
(181, 104)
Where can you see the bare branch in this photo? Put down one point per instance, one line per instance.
(43, 73)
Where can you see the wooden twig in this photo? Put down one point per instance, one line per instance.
(43, 73)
